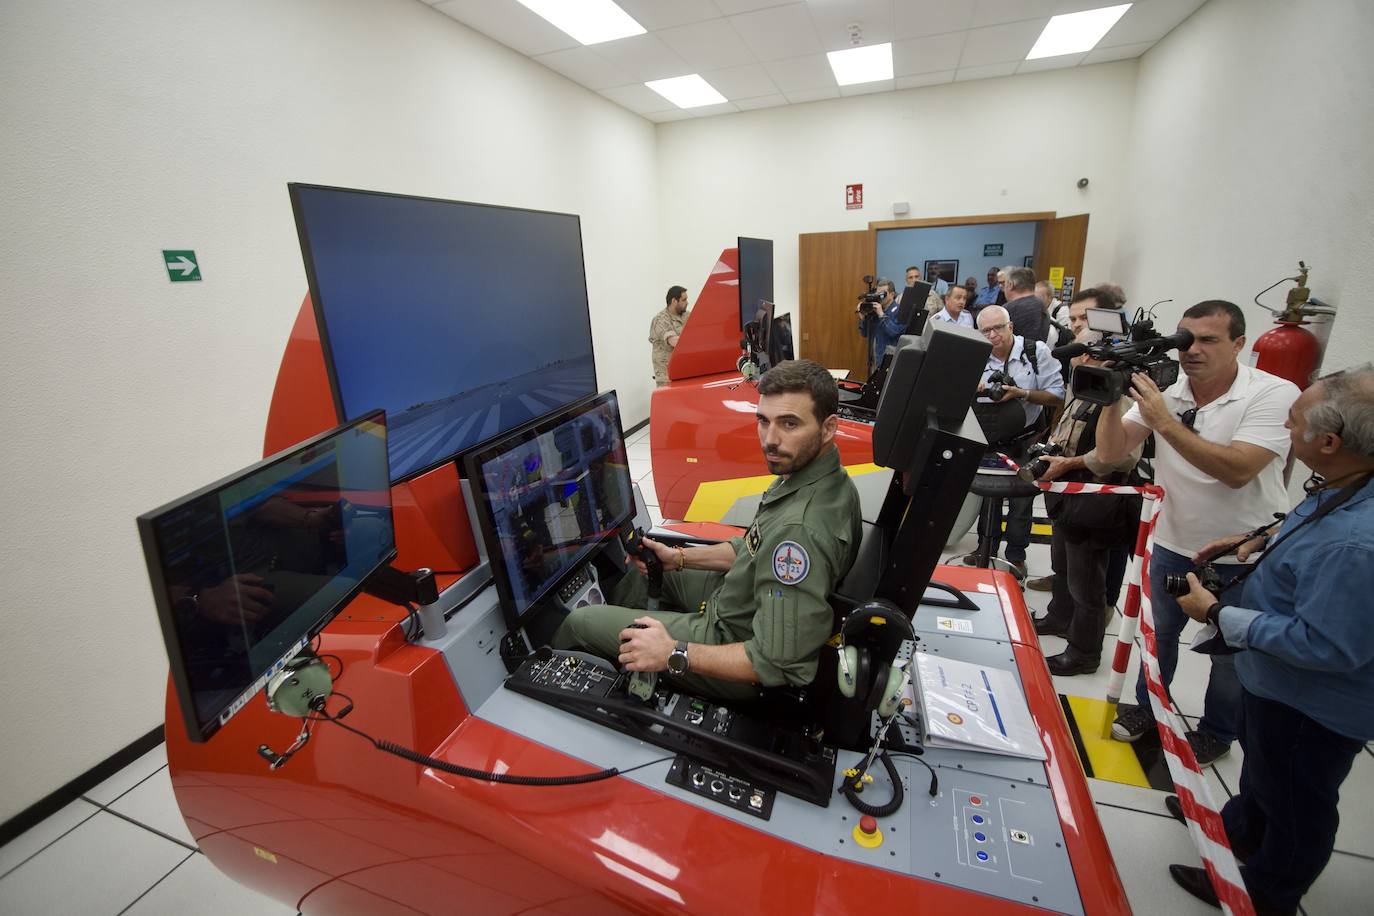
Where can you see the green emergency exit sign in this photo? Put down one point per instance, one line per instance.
(182, 266)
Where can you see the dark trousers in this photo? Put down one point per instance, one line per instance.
(1018, 519)
(1221, 706)
(1283, 823)
(1076, 605)
(1117, 559)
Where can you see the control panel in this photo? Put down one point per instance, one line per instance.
(581, 589)
(721, 787)
(752, 751)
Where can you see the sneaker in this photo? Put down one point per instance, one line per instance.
(1207, 748)
(1041, 584)
(1132, 722)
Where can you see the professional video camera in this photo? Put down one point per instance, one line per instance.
(1125, 351)
(868, 300)
(1034, 464)
(996, 385)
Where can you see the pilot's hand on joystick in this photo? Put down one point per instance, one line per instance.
(645, 645)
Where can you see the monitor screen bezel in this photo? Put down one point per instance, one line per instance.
(746, 309)
(317, 304)
(471, 462)
(196, 730)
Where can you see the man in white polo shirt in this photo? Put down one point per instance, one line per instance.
(1220, 448)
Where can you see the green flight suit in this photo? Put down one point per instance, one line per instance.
(773, 598)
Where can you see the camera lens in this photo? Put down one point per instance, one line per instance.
(1176, 584)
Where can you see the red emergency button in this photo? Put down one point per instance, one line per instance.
(867, 834)
(975, 800)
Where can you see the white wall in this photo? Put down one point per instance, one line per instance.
(776, 172)
(135, 126)
(1251, 148)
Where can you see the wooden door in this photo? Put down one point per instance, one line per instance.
(1060, 243)
(831, 267)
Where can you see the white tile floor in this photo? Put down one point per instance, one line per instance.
(123, 847)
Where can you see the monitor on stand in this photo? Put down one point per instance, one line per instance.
(247, 570)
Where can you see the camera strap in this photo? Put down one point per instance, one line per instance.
(1343, 496)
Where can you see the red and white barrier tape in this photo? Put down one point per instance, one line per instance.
(1200, 811)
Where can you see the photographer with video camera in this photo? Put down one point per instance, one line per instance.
(1087, 527)
(1307, 666)
(1220, 446)
(877, 318)
(1018, 369)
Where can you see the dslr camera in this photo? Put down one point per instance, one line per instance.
(1176, 584)
(996, 385)
(868, 300)
(1125, 352)
(1035, 464)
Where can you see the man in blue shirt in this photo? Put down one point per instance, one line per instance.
(987, 295)
(1307, 672)
(879, 323)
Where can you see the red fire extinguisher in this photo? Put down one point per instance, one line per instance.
(1289, 350)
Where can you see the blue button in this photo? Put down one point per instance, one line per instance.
(981, 837)
(982, 856)
(978, 818)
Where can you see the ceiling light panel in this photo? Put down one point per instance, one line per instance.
(589, 21)
(689, 91)
(1075, 33)
(862, 65)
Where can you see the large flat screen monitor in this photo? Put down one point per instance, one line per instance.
(247, 570)
(546, 496)
(461, 320)
(755, 276)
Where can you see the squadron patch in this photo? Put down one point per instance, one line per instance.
(790, 563)
(752, 539)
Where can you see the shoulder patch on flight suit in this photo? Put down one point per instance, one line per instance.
(752, 539)
(790, 563)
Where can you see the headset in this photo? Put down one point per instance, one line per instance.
(871, 636)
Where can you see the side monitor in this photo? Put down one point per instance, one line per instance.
(936, 373)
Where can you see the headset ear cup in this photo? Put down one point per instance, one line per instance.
(892, 692)
(847, 671)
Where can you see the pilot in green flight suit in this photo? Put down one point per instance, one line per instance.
(752, 610)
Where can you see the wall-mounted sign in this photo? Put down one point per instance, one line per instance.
(853, 197)
(1056, 277)
(992, 251)
(181, 265)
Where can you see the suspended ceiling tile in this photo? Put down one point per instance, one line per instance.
(925, 79)
(1149, 20)
(799, 73)
(963, 74)
(1061, 62)
(761, 101)
(583, 66)
(706, 111)
(833, 17)
(709, 45)
(917, 18)
(1102, 55)
(662, 14)
(778, 32)
(639, 98)
(813, 95)
(676, 114)
(1000, 43)
(996, 12)
(868, 88)
(509, 23)
(640, 58)
(731, 7)
(926, 55)
(745, 82)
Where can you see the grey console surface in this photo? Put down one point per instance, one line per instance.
(992, 827)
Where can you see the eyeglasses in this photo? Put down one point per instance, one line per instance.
(1188, 417)
(993, 329)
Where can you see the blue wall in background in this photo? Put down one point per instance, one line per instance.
(898, 248)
